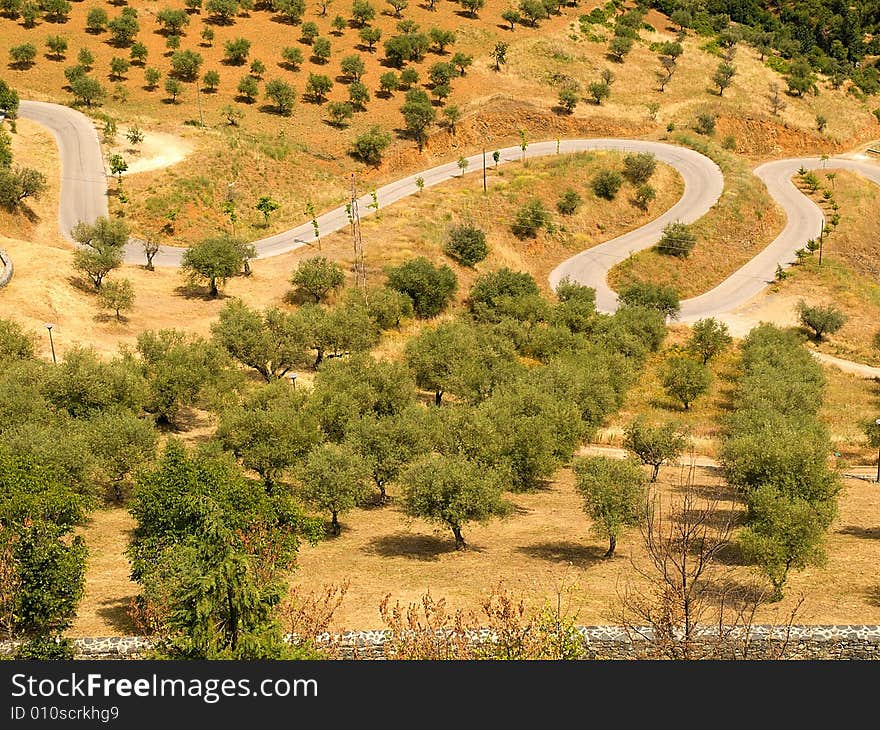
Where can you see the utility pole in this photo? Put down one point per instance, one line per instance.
(484, 169)
(821, 241)
(360, 271)
(51, 342)
(199, 100)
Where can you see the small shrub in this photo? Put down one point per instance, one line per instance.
(530, 219)
(606, 184)
(466, 244)
(568, 202)
(677, 240)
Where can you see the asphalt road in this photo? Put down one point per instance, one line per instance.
(84, 197)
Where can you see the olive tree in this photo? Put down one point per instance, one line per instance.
(709, 338)
(614, 495)
(317, 277)
(334, 480)
(821, 320)
(654, 445)
(101, 246)
(685, 379)
(452, 491)
(215, 260)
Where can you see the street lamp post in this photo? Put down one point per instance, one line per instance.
(51, 342)
(877, 423)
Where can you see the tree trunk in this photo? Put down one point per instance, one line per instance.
(655, 473)
(438, 396)
(612, 543)
(459, 540)
(214, 290)
(334, 522)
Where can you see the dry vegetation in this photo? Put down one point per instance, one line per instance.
(545, 547)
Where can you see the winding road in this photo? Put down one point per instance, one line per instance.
(84, 197)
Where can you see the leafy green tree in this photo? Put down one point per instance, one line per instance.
(139, 53)
(214, 260)
(290, 11)
(334, 479)
(430, 287)
(533, 11)
(56, 11)
(309, 32)
(123, 28)
(23, 55)
(96, 20)
(460, 358)
(172, 20)
(236, 51)
(783, 534)
(223, 11)
(452, 491)
(173, 88)
(801, 78)
(685, 379)
(317, 86)
(121, 443)
(638, 168)
(472, 6)
(369, 146)
(248, 88)
(664, 299)
(321, 50)
(569, 202)
(210, 81)
(293, 57)
(317, 277)
(15, 342)
(530, 218)
(57, 46)
(118, 166)
(271, 342)
(270, 432)
(87, 90)
(185, 65)
(101, 247)
(152, 76)
(387, 445)
(352, 66)
(821, 320)
(511, 16)
(614, 495)
(619, 47)
(358, 95)
(654, 445)
(370, 36)
(723, 76)
(117, 296)
(709, 338)
(362, 12)
(466, 244)
(568, 99)
(177, 371)
(282, 94)
(606, 184)
(340, 113)
(677, 240)
(599, 90)
(418, 114)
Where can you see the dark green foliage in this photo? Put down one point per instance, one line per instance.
(709, 338)
(677, 240)
(638, 168)
(215, 260)
(569, 202)
(664, 299)
(654, 445)
(821, 320)
(430, 287)
(466, 244)
(452, 491)
(685, 379)
(530, 218)
(606, 184)
(614, 495)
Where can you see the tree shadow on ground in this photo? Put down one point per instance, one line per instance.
(413, 545)
(872, 595)
(565, 551)
(115, 612)
(867, 533)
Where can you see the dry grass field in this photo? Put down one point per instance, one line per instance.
(544, 547)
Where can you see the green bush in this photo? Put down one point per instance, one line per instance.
(466, 244)
(530, 219)
(606, 184)
(568, 202)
